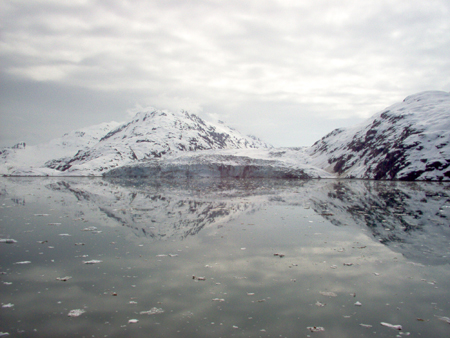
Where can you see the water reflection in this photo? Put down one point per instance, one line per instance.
(337, 236)
(411, 218)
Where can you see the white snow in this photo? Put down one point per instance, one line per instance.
(408, 140)
(421, 122)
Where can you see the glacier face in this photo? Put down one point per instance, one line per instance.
(289, 163)
(409, 140)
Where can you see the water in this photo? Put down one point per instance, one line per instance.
(276, 257)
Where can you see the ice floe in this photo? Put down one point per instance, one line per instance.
(152, 311)
(76, 312)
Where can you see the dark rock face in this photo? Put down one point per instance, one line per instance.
(407, 141)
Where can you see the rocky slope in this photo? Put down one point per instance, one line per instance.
(406, 141)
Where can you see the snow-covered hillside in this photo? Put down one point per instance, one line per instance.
(407, 141)
(153, 134)
(22, 159)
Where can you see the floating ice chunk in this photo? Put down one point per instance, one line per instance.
(392, 326)
(173, 255)
(133, 321)
(250, 293)
(152, 311)
(89, 229)
(315, 328)
(199, 278)
(328, 293)
(358, 304)
(7, 240)
(7, 305)
(161, 255)
(2, 334)
(63, 279)
(319, 304)
(93, 261)
(65, 235)
(445, 319)
(235, 327)
(76, 312)
(218, 300)
(7, 283)
(23, 262)
(366, 325)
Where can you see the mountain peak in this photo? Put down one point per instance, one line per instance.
(408, 140)
(153, 134)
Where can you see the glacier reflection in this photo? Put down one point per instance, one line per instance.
(411, 218)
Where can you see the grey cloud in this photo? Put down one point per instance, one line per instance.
(323, 62)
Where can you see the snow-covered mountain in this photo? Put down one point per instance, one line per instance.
(22, 159)
(153, 134)
(407, 141)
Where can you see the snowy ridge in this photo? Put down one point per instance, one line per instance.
(407, 141)
(36, 160)
(153, 134)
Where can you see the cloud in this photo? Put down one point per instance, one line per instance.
(335, 60)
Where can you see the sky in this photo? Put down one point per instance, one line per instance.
(287, 71)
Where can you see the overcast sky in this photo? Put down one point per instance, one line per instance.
(287, 71)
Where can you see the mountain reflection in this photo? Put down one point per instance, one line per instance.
(411, 218)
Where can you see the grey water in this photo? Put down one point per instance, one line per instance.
(224, 258)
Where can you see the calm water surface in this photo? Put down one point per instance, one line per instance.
(243, 258)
